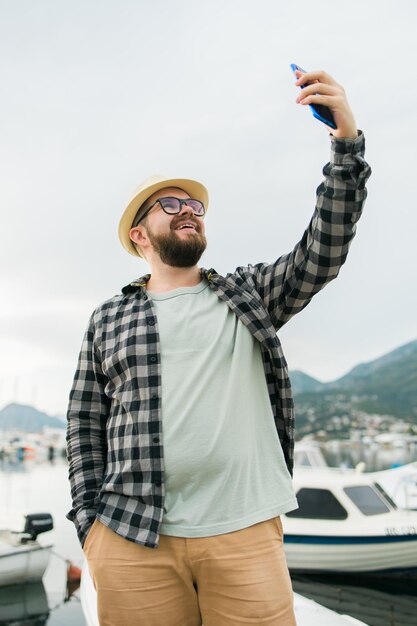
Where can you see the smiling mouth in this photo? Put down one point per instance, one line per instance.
(187, 227)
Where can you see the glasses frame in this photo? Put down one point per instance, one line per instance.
(182, 201)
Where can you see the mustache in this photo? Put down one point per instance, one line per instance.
(175, 225)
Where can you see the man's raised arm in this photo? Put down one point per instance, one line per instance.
(287, 285)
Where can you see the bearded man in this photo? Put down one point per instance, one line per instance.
(181, 418)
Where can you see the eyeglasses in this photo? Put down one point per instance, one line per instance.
(173, 206)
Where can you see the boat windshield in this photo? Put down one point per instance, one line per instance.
(318, 504)
(368, 501)
(384, 494)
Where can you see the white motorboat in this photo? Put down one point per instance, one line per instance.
(346, 522)
(400, 483)
(22, 557)
(307, 612)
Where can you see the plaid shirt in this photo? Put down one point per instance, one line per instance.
(115, 434)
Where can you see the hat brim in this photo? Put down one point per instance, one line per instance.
(194, 189)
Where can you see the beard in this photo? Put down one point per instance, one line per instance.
(178, 252)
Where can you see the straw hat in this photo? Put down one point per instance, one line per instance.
(144, 191)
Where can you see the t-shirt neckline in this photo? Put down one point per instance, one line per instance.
(172, 293)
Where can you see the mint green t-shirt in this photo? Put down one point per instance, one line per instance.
(224, 465)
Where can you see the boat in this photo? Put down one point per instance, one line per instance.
(22, 558)
(400, 482)
(307, 612)
(346, 522)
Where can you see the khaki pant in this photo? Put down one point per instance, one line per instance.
(226, 580)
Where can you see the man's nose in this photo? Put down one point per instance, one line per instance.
(186, 210)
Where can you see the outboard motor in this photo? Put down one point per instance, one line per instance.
(37, 523)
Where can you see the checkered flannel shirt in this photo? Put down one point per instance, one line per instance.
(115, 434)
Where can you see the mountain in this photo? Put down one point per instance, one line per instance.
(399, 361)
(26, 418)
(301, 382)
(386, 386)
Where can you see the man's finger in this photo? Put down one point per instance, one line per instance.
(319, 88)
(333, 102)
(320, 76)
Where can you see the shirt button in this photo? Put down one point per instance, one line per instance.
(151, 322)
(145, 297)
(153, 359)
(155, 439)
(157, 483)
(154, 396)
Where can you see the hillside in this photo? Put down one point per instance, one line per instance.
(385, 386)
(26, 418)
(301, 382)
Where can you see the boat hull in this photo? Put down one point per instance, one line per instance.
(309, 553)
(25, 564)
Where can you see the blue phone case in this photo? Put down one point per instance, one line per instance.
(319, 111)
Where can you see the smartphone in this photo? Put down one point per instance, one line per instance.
(319, 111)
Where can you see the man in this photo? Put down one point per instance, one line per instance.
(180, 421)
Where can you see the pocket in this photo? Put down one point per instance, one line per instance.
(278, 524)
(89, 535)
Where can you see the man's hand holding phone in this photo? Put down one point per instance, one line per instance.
(319, 88)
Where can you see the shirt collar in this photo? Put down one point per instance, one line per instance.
(140, 283)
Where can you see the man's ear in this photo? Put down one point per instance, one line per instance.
(138, 235)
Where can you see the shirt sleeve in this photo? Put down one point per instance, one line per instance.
(86, 435)
(287, 285)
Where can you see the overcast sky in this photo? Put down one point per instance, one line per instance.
(97, 95)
